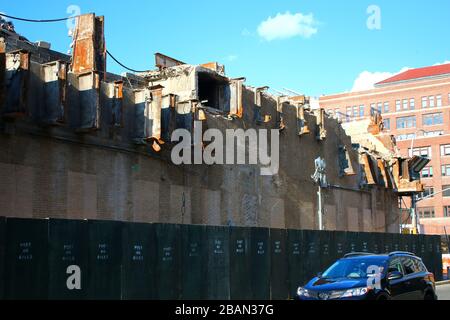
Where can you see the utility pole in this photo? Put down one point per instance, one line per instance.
(320, 179)
(414, 214)
(320, 210)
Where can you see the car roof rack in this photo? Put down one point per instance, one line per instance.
(358, 254)
(401, 252)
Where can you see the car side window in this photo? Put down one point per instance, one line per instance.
(409, 266)
(395, 266)
(420, 266)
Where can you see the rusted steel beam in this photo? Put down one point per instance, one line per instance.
(368, 169)
(17, 72)
(89, 49)
(162, 61)
(116, 96)
(153, 114)
(140, 106)
(89, 102)
(321, 131)
(236, 99)
(55, 85)
(2, 70)
(396, 172)
(214, 66)
(387, 177)
(302, 124)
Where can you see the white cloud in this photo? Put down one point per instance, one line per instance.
(287, 25)
(367, 80)
(231, 57)
(445, 62)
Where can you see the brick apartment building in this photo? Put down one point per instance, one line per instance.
(415, 106)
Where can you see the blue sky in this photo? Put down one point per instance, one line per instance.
(320, 47)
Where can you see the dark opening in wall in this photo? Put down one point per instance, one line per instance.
(215, 90)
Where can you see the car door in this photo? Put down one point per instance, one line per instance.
(397, 287)
(423, 279)
(412, 279)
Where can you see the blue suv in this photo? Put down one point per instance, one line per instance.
(366, 276)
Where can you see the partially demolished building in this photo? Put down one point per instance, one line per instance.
(77, 142)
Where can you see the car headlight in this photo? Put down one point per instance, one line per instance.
(302, 292)
(357, 292)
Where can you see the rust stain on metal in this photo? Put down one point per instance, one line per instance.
(368, 169)
(236, 99)
(118, 89)
(214, 66)
(2, 69)
(382, 169)
(89, 52)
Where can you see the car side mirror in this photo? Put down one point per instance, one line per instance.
(395, 275)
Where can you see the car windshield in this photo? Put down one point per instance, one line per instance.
(356, 268)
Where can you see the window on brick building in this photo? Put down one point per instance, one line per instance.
(406, 122)
(445, 150)
(439, 101)
(446, 191)
(433, 119)
(403, 137)
(355, 112)
(427, 212)
(434, 133)
(387, 124)
(424, 102)
(380, 107)
(427, 172)
(398, 105)
(386, 107)
(447, 211)
(431, 101)
(412, 103)
(421, 152)
(361, 111)
(445, 170)
(405, 104)
(428, 192)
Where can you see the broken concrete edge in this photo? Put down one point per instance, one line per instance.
(84, 63)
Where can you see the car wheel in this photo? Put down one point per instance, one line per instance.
(383, 298)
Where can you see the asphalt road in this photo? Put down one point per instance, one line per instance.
(443, 292)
